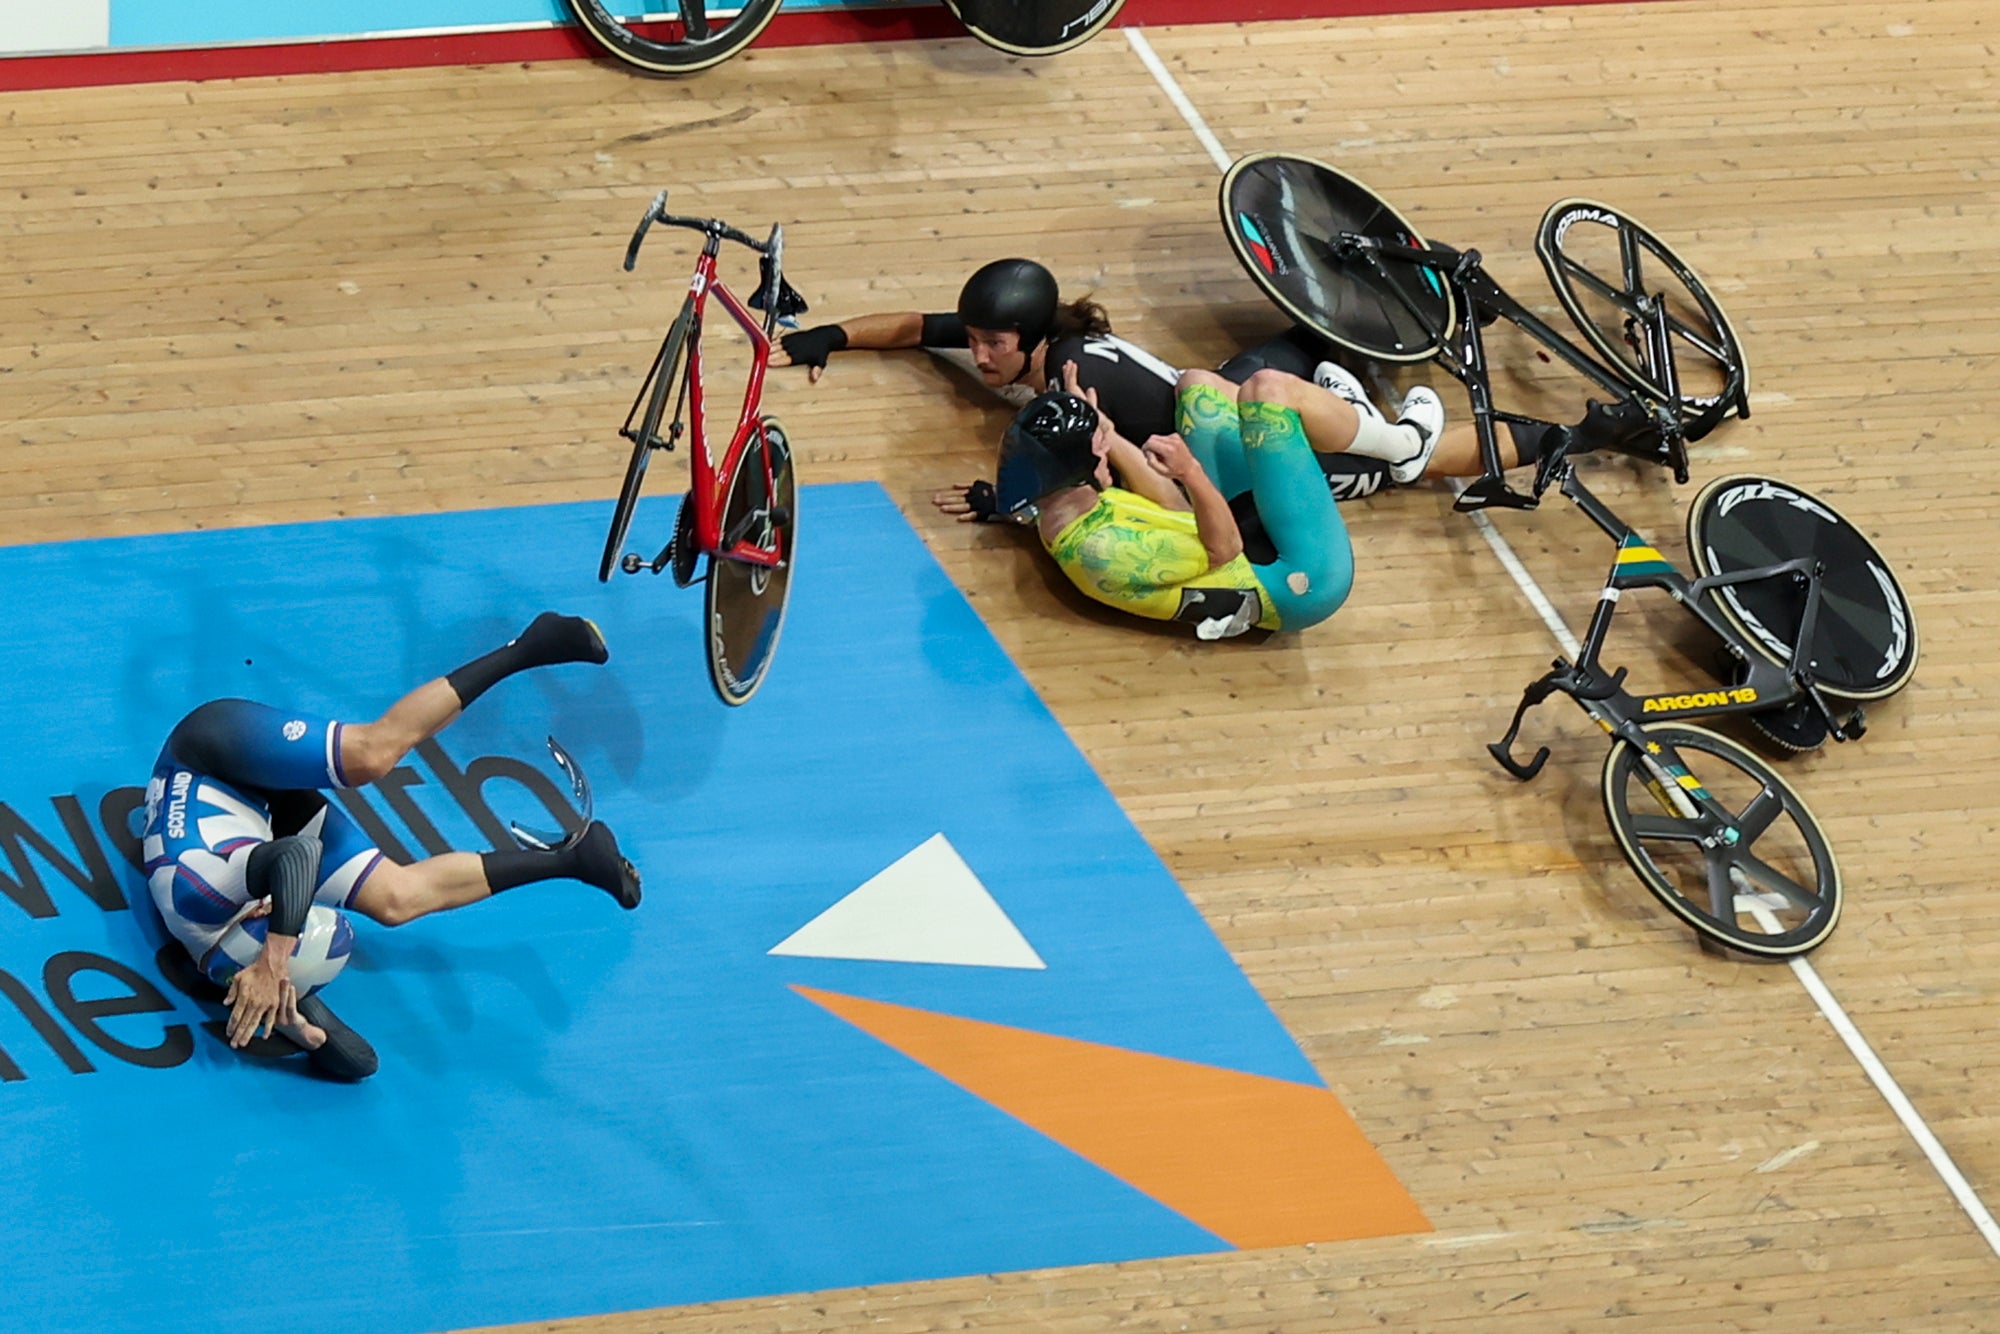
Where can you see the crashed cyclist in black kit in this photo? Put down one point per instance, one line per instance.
(1012, 329)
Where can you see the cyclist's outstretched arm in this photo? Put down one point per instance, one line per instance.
(811, 347)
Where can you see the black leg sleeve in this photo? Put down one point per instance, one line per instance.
(286, 871)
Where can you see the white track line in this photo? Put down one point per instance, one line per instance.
(1871, 1064)
(1144, 50)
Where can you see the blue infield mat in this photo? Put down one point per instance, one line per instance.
(904, 982)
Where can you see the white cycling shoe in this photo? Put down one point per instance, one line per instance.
(1422, 412)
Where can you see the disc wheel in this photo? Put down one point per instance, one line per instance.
(1282, 214)
(1753, 871)
(1601, 264)
(668, 377)
(694, 37)
(746, 601)
(1865, 638)
(1035, 27)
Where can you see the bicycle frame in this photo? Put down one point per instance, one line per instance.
(1638, 564)
(710, 478)
(1483, 300)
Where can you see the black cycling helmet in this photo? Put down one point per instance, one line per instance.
(1016, 294)
(1046, 448)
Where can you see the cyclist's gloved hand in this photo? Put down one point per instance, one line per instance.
(811, 347)
(975, 502)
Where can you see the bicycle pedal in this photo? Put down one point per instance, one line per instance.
(630, 563)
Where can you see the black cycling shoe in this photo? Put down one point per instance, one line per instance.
(1625, 427)
(597, 861)
(345, 1055)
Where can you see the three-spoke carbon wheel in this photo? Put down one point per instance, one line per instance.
(694, 36)
(1603, 265)
(1722, 841)
(747, 600)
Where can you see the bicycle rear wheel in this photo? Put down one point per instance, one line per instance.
(746, 602)
(694, 38)
(1600, 263)
(1865, 640)
(668, 376)
(1034, 27)
(1282, 213)
(1769, 886)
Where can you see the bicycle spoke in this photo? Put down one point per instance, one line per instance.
(1765, 807)
(1721, 888)
(1628, 260)
(1767, 877)
(1666, 829)
(694, 16)
(1617, 296)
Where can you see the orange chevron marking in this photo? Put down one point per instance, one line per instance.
(1255, 1160)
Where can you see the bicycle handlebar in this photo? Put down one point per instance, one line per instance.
(711, 227)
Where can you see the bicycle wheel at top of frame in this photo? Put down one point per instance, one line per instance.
(746, 602)
(668, 377)
(1865, 639)
(1282, 213)
(1035, 27)
(693, 37)
(1600, 262)
(1769, 886)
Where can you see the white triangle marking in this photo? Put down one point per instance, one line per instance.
(926, 907)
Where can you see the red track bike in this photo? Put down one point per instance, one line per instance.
(739, 518)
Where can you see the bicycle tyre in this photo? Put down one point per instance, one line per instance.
(1279, 210)
(1867, 632)
(1644, 839)
(1696, 320)
(641, 45)
(669, 370)
(746, 603)
(1047, 28)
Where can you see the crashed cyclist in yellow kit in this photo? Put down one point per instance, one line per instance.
(1165, 544)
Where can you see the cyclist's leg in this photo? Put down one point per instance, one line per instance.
(1205, 416)
(366, 751)
(1295, 351)
(393, 894)
(1314, 570)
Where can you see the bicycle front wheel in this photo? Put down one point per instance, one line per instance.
(746, 601)
(697, 36)
(1602, 264)
(1763, 881)
(1035, 27)
(669, 376)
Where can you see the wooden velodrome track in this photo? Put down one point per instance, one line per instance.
(288, 299)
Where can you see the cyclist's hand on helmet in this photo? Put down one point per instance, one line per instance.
(810, 347)
(974, 502)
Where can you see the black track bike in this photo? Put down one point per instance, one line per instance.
(737, 525)
(1811, 623)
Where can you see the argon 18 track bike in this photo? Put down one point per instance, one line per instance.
(738, 522)
(1812, 623)
(655, 37)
